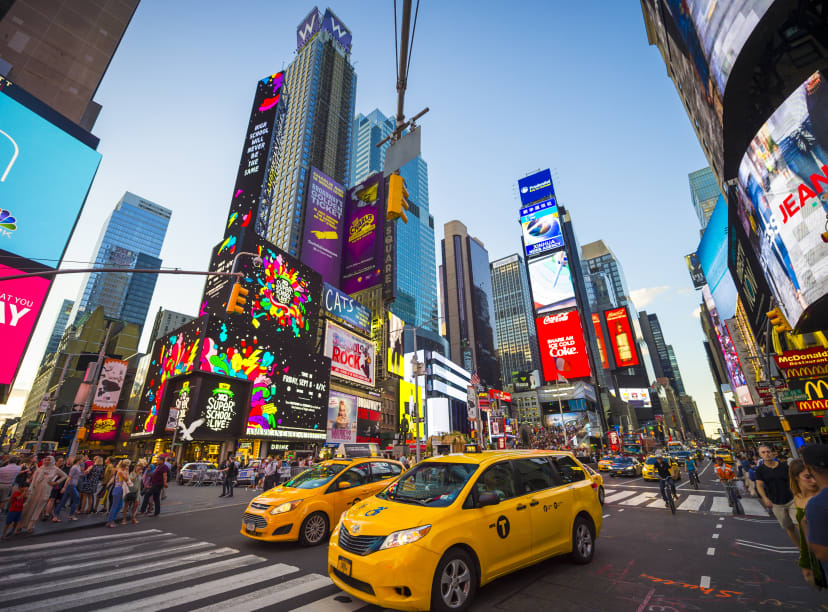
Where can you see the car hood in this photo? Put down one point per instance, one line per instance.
(282, 494)
(381, 516)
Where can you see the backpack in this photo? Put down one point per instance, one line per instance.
(752, 474)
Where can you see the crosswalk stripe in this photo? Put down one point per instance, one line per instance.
(204, 590)
(338, 602)
(137, 586)
(264, 598)
(693, 502)
(47, 588)
(616, 496)
(79, 552)
(53, 545)
(754, 507)
(72, 567)
(658, 502)
(638, 499)
(720, 505)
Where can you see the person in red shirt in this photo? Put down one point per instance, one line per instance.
(723, 470)
(18, 498)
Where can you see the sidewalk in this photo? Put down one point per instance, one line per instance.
(180, 499)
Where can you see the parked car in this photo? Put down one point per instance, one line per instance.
(247, 474)
(199, 470)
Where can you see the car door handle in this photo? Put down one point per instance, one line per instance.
(521, 507)
(534, 502)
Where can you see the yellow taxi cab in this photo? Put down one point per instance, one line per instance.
(605, 463)
(452, 524)
(725, 455)
(305, 507)
(649, 471)
(598, 479)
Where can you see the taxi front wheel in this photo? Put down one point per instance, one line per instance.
(583, 541)
(314, 529)
(455, 582)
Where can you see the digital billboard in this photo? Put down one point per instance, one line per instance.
(783, 198)
(621, 337)
(369, 417)
(103, 427)
(395, 360)
(637, 397)
(45, 175)
(362, 252)
(537, 186)
(712, 254)
(324, 218)
(345, 309)
(342, 418)
(541, 227)
(181, 392)
(738, 383)
(695, 269)
(110, 383)
(562, 347)
(352, 358)
(217, 407)
(551, 282)
(21, 301)
(599, 337)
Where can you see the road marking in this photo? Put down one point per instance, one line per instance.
(715, 536)
(693, 502)
(616, 496)
(780, 549)
(638, 499)
(620, 509)
(711, 552)
(264, 598)
(704, 582)
(644, 603)
(754, 507)
(720, 505)
(747, 520)
(204, 590)
(339, 602)
(721, 519)
(658, 502)
(605, 516)
(719, 526)
(79, 553)
(52, 545)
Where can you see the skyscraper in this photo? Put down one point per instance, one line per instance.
(131, 238)
(320, 94)
(416, 301)
(60, 326)
(704, 192)
(59, 51)
(468, 303)
(604, 276)
(517, 342)
(661, 353)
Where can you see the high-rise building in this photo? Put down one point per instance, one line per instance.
(517, 342)
(60, 326)
(468, 304)
(59, 51)
(661, 354)
(704, 193)
(604, 276)
(167, 321)
(416, 301)
(320, 94)
(131, 238)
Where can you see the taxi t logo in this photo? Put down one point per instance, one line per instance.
(376, 511)
(503, 527)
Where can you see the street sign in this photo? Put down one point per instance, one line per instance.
(792, 395)
(406, 149)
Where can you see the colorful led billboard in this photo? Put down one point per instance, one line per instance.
(783, 198)
(342, 418)
(324, 218)
(599, 337)
(362, 252)
(352, 358)
(220, 408)
(712, 254)
(738, 383)
(537, 186)
(562, 347)
(636, 397)
(541, 227)
(346, 310)
(45, 175)
(395, 360)
(103, 427)
(551, 282)
(621, 337)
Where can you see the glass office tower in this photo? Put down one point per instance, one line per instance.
(704, 193)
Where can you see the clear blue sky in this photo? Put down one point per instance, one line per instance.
(512, 87)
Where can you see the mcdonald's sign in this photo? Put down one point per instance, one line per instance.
(817, 392)
(797, 359)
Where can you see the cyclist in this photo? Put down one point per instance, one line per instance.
(726, 476)
(664, 477)
(690, 466)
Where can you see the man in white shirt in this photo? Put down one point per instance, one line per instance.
(7, 475)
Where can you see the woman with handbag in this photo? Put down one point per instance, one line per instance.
(131, 498)
(120, 486)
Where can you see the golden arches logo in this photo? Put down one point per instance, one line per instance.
(816, 389)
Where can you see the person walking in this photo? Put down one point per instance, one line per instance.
(815, 457)
(158, 482)
(89, 485)
(45, 477)
(269, 473)
(774, 489)
(8, 474)
(120, 481)
(131, 497)
(69, 491)
(56, 494)
(804, 487)
(16, 503)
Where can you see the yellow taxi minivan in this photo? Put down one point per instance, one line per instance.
(648, 472)
(305, 507)
(452, 524)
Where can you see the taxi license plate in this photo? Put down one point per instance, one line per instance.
(251, 527)
(344, 565)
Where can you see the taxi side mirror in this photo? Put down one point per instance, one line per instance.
(344, 484)
(488, 499)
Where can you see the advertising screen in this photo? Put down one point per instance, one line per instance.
(45, 175)
(345, 309)
(220, 408)
(712, 254)
(342, 418)
(352, 358)
(695, 269)
(621, 337)
(103, 427)
(362, 252)
(395, 360)
(110, 383)
(181, 392)
(599, 337)
(636, 397)
(551, 283)
(783, 198)
(562, 347)
(324, 218)
(574, 430)
(21, 301)
(537, 186)
(368, 420)
(541, 227)
(738, 383)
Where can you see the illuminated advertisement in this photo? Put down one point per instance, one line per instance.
(369, 417)
(537, 186)
(695, 269)
(110, 383)
(738, 383)
(783, 198)
(216, 410)
(352, 358)
(180, 394)
(342, 418)
(806, 357)
(308, 28)
(103, 427)
(541, 227)
(639, 398)
(395, 359)
(551, 283)
(574, 430)
(362, 252)
(45, 175)
(324, 217)
(562, 347)
(332, 24)
(21, 301)
(621, 337)
(712, 255)
(407, 401)
(346, 310)
(599, 337)
(814, 394)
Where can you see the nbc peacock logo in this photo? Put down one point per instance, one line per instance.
(7, 222)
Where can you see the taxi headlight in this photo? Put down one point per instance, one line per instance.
(406, 536)
(285, 507)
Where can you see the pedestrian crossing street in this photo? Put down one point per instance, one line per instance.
(158, 570)
(688, 501)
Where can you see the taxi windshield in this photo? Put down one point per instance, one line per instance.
(430, 484)
(316, 476)
(623, 460)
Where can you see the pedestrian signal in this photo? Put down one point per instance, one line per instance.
(397, 198)
(237, 299)
(778, 320)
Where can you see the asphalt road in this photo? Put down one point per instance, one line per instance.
(647, 560)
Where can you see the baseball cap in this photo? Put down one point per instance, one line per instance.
(815, 455)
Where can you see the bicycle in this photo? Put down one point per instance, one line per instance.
(733, 496)
(693, 477)
(669, 498)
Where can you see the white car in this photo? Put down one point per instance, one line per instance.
(207, 472)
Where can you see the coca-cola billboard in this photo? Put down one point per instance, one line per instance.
(562, 346)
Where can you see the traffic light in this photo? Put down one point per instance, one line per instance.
(237, 299)
(778, 320)
(397, 198)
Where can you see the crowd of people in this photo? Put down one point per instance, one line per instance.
(33, 489)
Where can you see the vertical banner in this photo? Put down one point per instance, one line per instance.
(110, 384)
(324, 217)
(396, 362)
(363, 246)
(621, 337)
(695, 268)
(342, 418)
(599, 337)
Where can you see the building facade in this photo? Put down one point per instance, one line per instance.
(604, 276)
(704, 192)
(60, 326)
(167, 321)
(661, 354)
